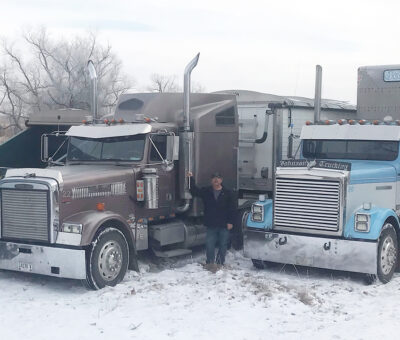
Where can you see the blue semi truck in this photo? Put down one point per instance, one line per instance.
(337, 205)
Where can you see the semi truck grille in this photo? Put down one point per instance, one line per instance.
(307, 204)
(24, 214)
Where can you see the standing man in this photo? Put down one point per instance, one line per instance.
(219, 210)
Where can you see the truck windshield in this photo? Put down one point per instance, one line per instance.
(127, 148)
(351, 149)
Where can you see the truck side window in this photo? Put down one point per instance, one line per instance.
(161, 143)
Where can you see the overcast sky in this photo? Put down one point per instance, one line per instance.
(267, 46)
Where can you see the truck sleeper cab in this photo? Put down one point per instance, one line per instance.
(338, 206)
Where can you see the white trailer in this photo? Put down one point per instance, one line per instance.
(269, 123)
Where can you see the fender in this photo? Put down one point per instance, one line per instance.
(378, 216)
(92, 220)
(268, 212)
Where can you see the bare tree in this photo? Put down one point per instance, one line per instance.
(163, 83)
(53, 75)
(197, 87)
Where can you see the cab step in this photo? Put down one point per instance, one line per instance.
(171, 253)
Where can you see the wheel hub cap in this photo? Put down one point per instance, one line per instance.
(110, 260)
(388, 255)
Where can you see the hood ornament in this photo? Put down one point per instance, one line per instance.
(311, 164)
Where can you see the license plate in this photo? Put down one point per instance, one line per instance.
(24, 267)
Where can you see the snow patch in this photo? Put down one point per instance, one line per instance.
(179, 299)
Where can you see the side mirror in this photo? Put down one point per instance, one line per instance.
(172, 148)
(44, 153)
(290, 146)
(52, 146)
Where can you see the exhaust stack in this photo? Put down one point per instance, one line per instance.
(186, 91)
(318, 91)
(187, 135)
(93, 78)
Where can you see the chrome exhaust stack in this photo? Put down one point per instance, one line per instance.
(187, 135)
(186, 91)
(93, 78)
(318, 92)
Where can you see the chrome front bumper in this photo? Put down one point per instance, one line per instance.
(329, 253)
(37, 259)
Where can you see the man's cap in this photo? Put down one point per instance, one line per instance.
(216, 175)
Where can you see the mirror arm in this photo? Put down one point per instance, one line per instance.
(159, 154)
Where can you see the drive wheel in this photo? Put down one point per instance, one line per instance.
(387, 253)
(259, 264)
(107, 260)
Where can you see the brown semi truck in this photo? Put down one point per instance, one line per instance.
(121, 189)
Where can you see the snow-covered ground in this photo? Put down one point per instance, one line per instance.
(178, 299)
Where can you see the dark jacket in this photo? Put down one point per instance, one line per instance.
(217, 213)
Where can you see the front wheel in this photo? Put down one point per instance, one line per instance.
(108, 259)
(259, 264)
(387, 253)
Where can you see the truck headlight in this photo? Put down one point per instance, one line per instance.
(74, 228)
(362, 222)
(257, 212)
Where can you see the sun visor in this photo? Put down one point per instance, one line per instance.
(107, 131)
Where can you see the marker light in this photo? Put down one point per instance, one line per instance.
(140, 190)
(100, 206)
(367, 205)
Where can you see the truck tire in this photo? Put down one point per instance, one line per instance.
(107, 260)
(259, 264)
(387, 253)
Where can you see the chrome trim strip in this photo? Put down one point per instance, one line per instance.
(383, 187)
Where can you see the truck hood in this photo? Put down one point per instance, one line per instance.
(76, 175)
(371, 172)
(86, 175)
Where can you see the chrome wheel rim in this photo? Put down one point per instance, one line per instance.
(110, 260)
(388, 255)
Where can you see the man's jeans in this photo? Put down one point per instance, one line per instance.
(220, 237)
